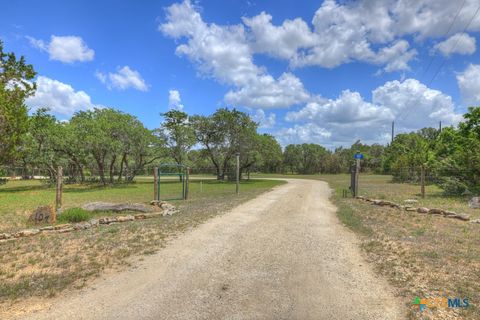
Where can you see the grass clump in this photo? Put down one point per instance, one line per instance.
(74, 215)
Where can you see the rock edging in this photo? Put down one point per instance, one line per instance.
(167, 210)
(444, 213)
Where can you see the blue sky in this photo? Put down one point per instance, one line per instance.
(328, 73)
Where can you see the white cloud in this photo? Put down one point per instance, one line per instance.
(305, 133)
(266, 92)
(349, 117)
(123, 79)
(59, 97)
(469, 83)
(460, 43)
(368, 31)
(224, 53)
(67, 49)
(265, 121)
(174, 100)
(340, 34)
(415, 105)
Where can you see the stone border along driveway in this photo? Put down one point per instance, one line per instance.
(445, 213)
(165, 209)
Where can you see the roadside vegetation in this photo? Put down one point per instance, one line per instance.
(44, 265)
(422, 255)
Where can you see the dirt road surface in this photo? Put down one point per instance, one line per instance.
(283, 255)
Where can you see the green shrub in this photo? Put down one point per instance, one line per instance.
(73, 215)
(453, 186)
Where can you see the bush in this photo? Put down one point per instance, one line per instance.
(73, 215)
(453, 186)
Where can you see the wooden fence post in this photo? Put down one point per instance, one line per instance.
(422, 181)
(155, 183)
(187, 178)
(59, 189)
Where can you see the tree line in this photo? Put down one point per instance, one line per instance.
(112, 146)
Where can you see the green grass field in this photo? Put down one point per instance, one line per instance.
(19, 198)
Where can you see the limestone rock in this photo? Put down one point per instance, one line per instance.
(93, 222)
(82, 226)
(411, 209)
(125, 218)
(460, 216)
(422, 210)
(474, 203)
(26, 233)
(107, 206)
(107, 220)
(62, 226)
(449, 213)
(4, 236)
(47, 228)
(436, 211)
(471, 221)
(64, 230)
(410, 201)
(43, 214)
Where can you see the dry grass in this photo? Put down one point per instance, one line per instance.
(424, 256)
(44, 265)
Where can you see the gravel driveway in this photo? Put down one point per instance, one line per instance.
(283, 255)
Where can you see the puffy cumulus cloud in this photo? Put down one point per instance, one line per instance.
(123, 79)
(469, 84)
(282, 41)
(349, 117)
(304, 133)
(340, 34)
(415, 105)
(266, 92)
(174, 100)
(349, 108)
(225, 54)
(67, 49)
(59, 97)
(265, 121)
(460, 43)
(368, 31)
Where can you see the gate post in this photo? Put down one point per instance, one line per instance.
(155, 184)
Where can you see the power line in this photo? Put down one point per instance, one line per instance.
(454, 46)
(446, 34)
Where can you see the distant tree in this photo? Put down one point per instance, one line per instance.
(223, 134)
(178, 135)
(15, 87)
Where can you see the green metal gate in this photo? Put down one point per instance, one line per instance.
(173, 170)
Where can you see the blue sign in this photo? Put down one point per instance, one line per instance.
(358, 156)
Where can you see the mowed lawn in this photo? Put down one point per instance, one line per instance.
(425, 256)
(19, 198)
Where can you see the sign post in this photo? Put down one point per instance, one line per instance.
(238, 173)
(358, 157)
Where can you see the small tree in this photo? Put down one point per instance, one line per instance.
(178, 135)
(15, 87)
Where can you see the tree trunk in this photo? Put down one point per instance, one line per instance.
(122, 162)
(101, 168)
(112, 168)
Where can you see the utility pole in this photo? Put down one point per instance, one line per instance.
(238, 173)
(440, 127)
(393, 130)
